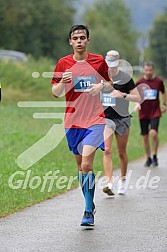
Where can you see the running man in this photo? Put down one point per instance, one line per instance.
(150, 112)
(117, 120)
(82, 75)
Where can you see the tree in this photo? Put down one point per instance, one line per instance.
(111, 28)
(158, 43)
(37, 27)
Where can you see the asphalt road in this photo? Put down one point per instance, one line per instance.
(136, 222)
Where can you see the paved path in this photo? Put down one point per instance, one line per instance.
(136, 222)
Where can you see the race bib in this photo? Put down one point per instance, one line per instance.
(83, 83)
(107, 100)
(150, 94)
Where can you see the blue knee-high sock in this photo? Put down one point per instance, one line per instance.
(87, 182)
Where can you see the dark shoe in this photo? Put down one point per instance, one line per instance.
(154, 161)
(148, 162)
(108, 191)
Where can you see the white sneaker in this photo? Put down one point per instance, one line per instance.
(122, 187)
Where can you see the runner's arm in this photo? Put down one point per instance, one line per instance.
(103, 86)
(133, 96)
(164, 102)
(58, 89)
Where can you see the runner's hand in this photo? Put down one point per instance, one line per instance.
(163, 109)
(66, 76)
(137, 107)
(95, 89)
(116, 94)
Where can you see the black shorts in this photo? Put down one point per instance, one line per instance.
(147, 124)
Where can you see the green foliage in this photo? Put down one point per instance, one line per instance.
(36, 27)
(16, 77)
(158, 43)
(110, 25)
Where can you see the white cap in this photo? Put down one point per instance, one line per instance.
(112, 58)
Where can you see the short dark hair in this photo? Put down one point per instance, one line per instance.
(149, 63)
(79, 27)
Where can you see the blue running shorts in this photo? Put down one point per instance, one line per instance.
(78, 137)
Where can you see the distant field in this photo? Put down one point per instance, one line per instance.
(19, 131)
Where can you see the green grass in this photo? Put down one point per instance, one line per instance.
(19, 131)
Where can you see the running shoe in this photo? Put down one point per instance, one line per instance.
(87, 219)
(148, 162)
(108, 191)
(154, 161)
(122, 187)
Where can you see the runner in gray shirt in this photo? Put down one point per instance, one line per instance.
(116, 104)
